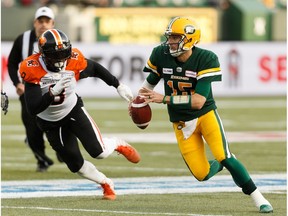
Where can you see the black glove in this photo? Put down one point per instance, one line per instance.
(4, 102)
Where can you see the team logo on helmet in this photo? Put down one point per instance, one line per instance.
(42, 41)
(189, 29)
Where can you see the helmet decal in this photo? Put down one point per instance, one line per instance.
(42, 41)
(171, 23)
(189, 29)
(57, 38)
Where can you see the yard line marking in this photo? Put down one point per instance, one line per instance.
(169, 137)
(144, 185)
(105, 211)
(14, 105)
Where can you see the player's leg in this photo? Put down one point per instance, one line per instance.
(214, 134)
(65, 143)
(193, 152)
(98, 147)
(35, 139)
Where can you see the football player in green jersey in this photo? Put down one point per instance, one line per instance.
(187, 72)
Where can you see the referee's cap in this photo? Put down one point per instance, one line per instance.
(44, 11)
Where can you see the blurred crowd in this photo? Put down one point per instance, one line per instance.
(134, 3)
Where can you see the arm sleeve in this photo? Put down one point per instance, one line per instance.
(203, 88)
(94, 69)
(153, 79)
(15, 57)
(35, 101)
(210, 67)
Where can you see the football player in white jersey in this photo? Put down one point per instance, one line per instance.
(50, 78)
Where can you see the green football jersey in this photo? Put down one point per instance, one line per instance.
(182, 78)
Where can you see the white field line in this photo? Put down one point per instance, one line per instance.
(105, 211)
(221, 104)
(169, 138)
(144, 185)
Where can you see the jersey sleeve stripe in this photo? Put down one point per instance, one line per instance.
(152, 67)
(211, 74)
(210, 70)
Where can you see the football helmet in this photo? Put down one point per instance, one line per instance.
(55, 49)
(189, 35)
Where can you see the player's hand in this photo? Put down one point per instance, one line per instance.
(4, 102)
(151, 96)
(20, 88)
(63, 83)
(125, 92)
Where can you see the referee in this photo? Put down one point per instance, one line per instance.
(24, 46)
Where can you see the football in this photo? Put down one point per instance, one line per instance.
(141, 113)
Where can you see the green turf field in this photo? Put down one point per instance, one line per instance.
(263, 114)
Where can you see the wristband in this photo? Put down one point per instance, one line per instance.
(164, 99)
(181, 101)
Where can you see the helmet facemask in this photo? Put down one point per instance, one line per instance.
(55, 49)
(56, 60)
(180, 45)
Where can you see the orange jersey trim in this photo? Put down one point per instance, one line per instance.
(32, 71)
(76, 63)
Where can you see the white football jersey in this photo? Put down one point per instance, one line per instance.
(63, 103)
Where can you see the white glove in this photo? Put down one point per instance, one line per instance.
(125, 92)
(64, 82)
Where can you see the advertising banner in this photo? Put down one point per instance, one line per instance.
(147, 25)
(249, 69)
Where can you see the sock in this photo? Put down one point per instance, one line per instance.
(215, 167)
(89, 171)
(237, 170)
(110, 144)
(259, 199)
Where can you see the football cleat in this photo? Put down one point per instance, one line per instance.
(43, 167)
(108, 190)
(127, 151)
(266, 209)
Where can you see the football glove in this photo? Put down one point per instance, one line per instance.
(125, 92)
(4, 102)
(61, 85)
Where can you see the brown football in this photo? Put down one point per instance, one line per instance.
(141, 113)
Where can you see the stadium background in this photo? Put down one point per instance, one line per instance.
(249, 36)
